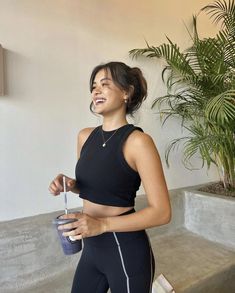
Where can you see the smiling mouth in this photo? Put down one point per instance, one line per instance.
(99, 101)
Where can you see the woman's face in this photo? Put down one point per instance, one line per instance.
(106, 96)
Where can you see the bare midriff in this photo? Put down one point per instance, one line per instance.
(100, 211)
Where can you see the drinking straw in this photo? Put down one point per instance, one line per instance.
(65, 197)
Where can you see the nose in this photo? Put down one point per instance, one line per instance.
(97, 90)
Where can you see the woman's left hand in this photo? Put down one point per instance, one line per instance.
(85, 226)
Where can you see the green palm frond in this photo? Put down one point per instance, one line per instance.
(171, 53)
(221, 108)
(227, 42)
(224, 12)
(171, 147)
(208, 143)
(206, 56)
(221, 11)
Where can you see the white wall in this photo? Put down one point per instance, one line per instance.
(51, 46)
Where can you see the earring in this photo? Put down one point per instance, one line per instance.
(126, 100)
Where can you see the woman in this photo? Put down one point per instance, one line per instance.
(112, 161)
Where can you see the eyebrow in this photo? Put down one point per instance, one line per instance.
(105, 78)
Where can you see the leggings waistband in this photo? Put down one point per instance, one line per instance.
(128, 212)
(107, 239)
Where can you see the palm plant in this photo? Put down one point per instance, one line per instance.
(201, 91)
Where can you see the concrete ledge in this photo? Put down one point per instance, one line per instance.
(211, 216)
(34, 262)
(30, 252)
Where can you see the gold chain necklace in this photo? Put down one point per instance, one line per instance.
(105, 141)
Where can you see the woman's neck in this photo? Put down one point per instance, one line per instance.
(112, 123)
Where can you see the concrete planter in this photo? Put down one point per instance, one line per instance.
(211, 216)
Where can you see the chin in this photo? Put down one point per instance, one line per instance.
(98, 111)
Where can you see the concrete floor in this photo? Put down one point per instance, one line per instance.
(194, 264)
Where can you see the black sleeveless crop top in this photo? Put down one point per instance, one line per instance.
(103, 175)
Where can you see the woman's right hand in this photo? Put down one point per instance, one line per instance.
(56, 186)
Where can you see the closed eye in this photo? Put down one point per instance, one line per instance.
(103, 85)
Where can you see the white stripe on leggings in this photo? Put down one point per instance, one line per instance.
(151, 264)
(151, 278)
(123, 265)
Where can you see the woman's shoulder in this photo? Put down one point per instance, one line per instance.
(140, 138)
(138, 147)
(139, 142)
(84, 133)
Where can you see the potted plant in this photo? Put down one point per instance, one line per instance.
(201, 91)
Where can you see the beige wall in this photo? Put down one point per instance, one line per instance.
(1, 72)
(51, 47)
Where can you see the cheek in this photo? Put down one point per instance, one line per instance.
(119, 96)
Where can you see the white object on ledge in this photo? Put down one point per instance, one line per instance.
(162, 285)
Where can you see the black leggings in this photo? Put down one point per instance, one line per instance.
(121, 261)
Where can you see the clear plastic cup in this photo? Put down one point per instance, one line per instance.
(69, 245)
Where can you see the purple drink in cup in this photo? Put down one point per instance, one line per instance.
(69, 245)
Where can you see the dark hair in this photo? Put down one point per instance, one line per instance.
(128, 79)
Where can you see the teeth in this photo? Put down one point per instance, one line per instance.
(101, 100)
